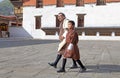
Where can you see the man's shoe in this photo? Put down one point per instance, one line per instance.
(61, 70)
(52, 64)
(74, 66)
(83, 70)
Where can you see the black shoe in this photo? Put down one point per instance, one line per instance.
(74, 66)
(61, 70)
(63, 66)
(83, 70)
(52, 64)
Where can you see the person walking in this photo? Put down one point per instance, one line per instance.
(71, 48)
(62, 29)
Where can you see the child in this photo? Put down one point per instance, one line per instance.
(71, 49)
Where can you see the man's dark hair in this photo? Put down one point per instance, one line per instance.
(72, 22)
(62, 14)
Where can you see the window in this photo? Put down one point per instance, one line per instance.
(38, 22)
(79, 2)
(60, 3)
(57, 21)
(101, 2)
(80, 20)
(39, 3)
(18, 10)
(3, 27)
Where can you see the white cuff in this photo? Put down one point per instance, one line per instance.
(70, 46)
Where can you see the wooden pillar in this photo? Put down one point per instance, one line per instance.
(80, 20)
(79, 2)
(17, 21)
(60, 3)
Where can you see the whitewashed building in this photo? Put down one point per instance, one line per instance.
(42, 14)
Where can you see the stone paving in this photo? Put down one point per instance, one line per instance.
(27, 58)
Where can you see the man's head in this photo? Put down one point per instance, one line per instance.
(61, 16)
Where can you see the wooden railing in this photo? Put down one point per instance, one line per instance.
(89, 31)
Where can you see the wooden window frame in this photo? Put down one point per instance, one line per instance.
(79, 2)
(100, 2)
(38, 22)
(39, 3)
(4, 27)
(80, 20)
(18, 10)
(60, 3)
(57, 21)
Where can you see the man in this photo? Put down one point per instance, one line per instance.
(62, 28)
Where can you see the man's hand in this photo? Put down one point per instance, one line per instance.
(61, 38)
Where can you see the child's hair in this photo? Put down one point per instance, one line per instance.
(72, 22)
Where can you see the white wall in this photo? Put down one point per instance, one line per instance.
(96, 16)
(102, 16)
(48, 14)
(48, 17)
(29, 22)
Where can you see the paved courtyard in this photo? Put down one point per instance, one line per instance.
(27, 58)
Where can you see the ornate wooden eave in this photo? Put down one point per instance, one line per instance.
(17, 2)
(7, 18)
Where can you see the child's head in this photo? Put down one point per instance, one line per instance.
(71, 24)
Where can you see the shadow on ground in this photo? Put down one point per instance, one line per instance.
(103, 68)
(99, 69)
(16, 43)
